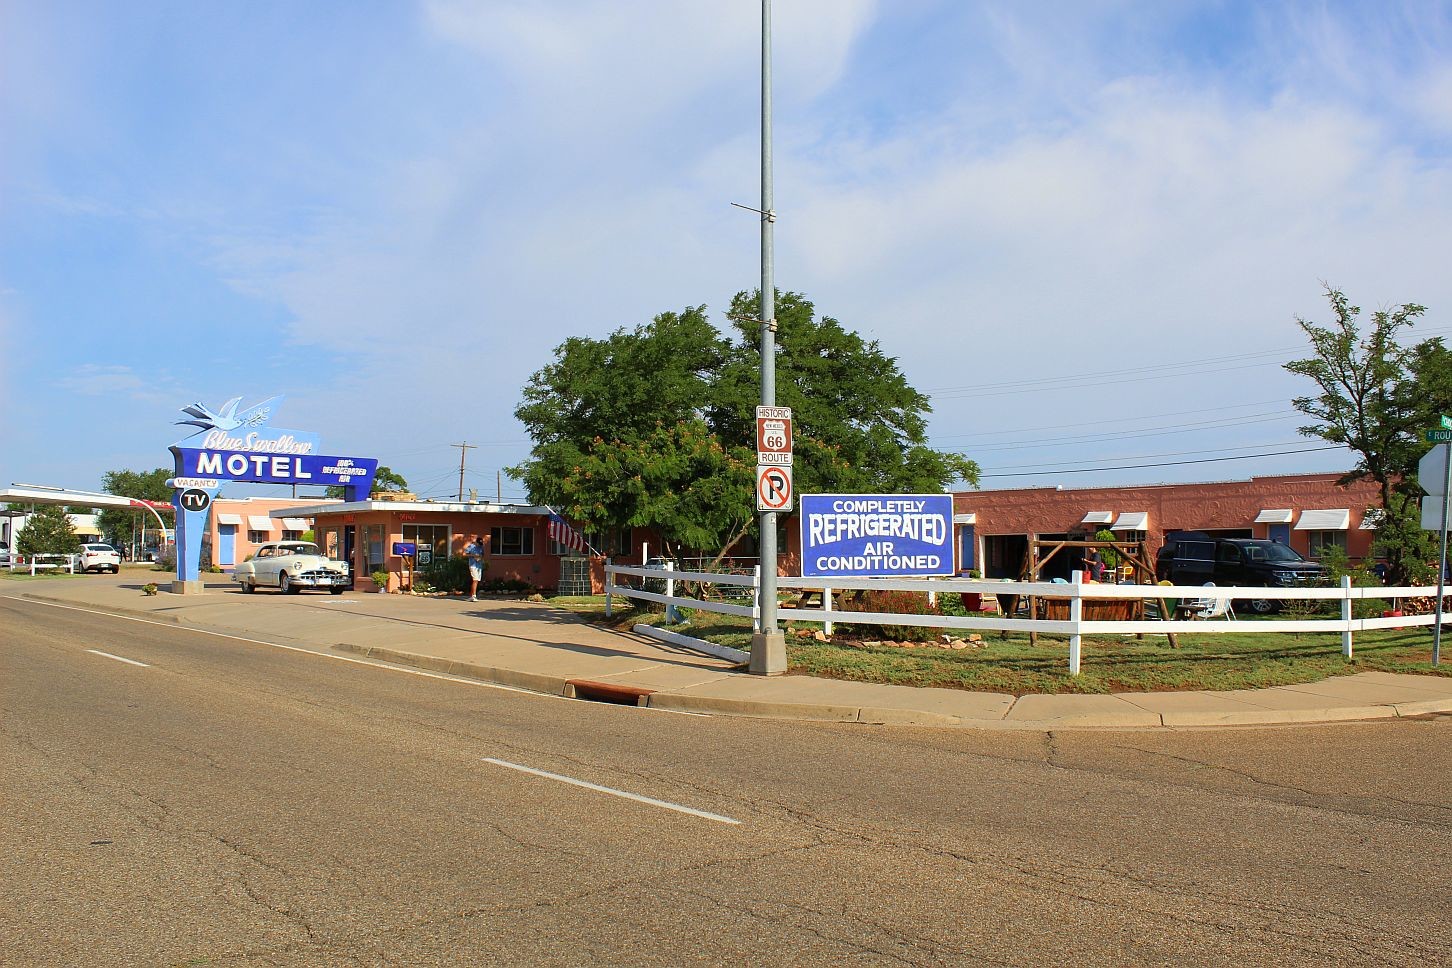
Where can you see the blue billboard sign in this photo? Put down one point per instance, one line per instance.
(876, 535)
(268, 468)
(232, 444)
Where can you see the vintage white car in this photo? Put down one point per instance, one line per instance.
(291, 566)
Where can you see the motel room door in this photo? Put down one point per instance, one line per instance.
(226, 545)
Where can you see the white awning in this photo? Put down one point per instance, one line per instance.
(1132, 521)
(1332, 519)
(1276, 516)
(294, 524)
(225, 518)
(1098, 517)
(259, 522)
(969, 518)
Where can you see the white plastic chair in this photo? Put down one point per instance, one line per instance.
(1216, 607)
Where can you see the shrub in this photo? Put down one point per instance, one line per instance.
(449, 574)
(894, 602)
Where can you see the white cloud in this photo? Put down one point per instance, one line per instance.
(101, 379)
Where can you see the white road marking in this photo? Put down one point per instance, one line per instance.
(293, 648)
(613, 792)
(118, 658)
(329, 655)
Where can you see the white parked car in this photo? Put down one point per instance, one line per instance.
(291, 566)
(98, 557)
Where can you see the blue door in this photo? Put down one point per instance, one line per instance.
(966, 547)
(1281, 533)
(226, 545)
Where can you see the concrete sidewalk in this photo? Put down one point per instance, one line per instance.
(538, 647)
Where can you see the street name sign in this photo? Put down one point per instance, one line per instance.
(1439, 436)
(876, 535)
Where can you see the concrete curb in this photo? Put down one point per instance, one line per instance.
(829, 712)
(532, 681)
(112, 609)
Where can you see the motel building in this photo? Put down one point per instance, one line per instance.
(1308, 512)
(517, 545)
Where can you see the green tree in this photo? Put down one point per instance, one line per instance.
(1376, 396)
(678, 479)
(118, 524)
(48, 532)
(865, 424)
(384, 479)
(655, 426)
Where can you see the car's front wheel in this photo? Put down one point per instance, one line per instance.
(285, 585)
(1261, 606)
(336, 589)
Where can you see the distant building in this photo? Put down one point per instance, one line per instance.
(1308, 512)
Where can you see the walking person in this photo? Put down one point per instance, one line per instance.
(474, 551)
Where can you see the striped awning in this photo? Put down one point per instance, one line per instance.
(224, 517)
(1098, 517)
(294, 524)
(259, 522)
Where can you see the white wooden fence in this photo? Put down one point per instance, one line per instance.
(1075, 626)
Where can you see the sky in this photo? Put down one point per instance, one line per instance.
(1085, 229)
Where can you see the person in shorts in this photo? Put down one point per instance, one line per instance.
(474, 551)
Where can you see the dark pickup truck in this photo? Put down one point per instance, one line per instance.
(1194, 558)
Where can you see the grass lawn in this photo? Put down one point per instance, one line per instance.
(1245, 659)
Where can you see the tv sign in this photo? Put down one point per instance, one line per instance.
(876, 535)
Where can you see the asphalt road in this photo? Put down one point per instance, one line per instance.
(231, 803)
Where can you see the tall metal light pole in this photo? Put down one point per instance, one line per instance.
(768, 646)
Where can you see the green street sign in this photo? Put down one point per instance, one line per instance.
(1446, 422)
(1439, 436)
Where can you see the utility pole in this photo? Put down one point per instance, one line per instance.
(464, 449)
(768, 646)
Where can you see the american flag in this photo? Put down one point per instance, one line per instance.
(562, 533)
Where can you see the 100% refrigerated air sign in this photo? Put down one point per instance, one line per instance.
(876, 535)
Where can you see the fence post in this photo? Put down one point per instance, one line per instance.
(932, 597)
(827, 606)
(609, 584)
(1076, 615)
(1346, 615)
(756, 598)
(672, 616)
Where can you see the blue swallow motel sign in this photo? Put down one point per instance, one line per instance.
(242, 445)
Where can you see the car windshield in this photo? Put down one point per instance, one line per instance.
(1273, 552)
(299, 548)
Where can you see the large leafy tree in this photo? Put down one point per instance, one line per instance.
(48, 532)
(118, 523)
(863, 425)
(1376, 397)
(654, 426)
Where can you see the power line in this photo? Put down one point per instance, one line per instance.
(1175, 463)
(1158, 432)
(1064, 465)
(1111, 420)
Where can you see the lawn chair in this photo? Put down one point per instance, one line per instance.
(1208, 608)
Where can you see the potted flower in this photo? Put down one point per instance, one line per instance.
(380, 580)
